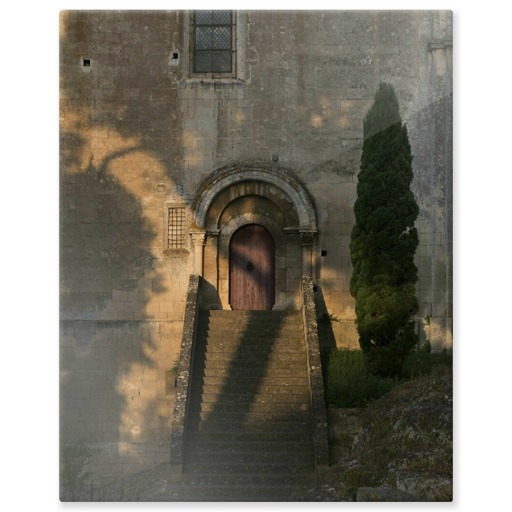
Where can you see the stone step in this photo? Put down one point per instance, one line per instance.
(264, 414)
(198, 488)
(254, 340)
(245, 402)
(281, 326)
(259, 345)
(265, 375)
(228, 388)
(206, 445)
(257, 479)
(280, 411)
(249, 400)
(260, 468)
(257, 412)
(222, 425)
(254, 366)
(255, 333)
(271, 325)
(226, 494)
(213, 434)
(229, 383)
(258, 331)
(246, 358)
(249, 395)
(281, 458)
(253, 349)
(256, 314)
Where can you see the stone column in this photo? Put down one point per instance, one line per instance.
(211, 256)
(198, 243)
(306, 241)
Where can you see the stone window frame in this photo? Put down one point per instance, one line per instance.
(237, 76)
(185, 221)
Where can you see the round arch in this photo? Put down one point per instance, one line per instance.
(278, 177)
(253, 193)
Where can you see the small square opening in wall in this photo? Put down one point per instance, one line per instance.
(174, 58)
(323, 253)
(86, 62)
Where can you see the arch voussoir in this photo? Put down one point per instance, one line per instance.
(236, 174)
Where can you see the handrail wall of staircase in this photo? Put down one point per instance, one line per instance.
(316, 384)
(180, 412)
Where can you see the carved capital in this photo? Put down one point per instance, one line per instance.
(198, 237)
(307, 237)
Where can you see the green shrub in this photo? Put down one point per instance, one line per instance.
(349, 384)
(423, 362)
(346, 363)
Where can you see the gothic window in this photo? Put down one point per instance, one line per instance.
(213, 43)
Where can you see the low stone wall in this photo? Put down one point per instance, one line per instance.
(316, 383)
(179, 417)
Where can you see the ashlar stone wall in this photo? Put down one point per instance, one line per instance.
(140, 134)
(122, 294)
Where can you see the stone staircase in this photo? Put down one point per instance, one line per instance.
(249, 428)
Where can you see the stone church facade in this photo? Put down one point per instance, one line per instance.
(180, 130)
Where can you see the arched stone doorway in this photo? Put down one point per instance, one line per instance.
(253, 194)
(252, 269)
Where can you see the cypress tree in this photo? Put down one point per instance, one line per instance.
(384, 239)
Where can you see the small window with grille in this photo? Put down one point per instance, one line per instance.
(213, 43)
(176, 228)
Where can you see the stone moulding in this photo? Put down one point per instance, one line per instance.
(238, 173)
(179, 417)
(316, 383)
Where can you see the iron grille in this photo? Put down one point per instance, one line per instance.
(176, 238)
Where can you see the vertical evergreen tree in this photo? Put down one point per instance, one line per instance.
(384, 239)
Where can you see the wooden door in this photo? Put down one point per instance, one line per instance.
(252, 269)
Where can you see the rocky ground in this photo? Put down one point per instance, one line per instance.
(402, 452)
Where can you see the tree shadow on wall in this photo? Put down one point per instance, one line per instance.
(107, 276)
(120, 112)
(326, 338)
(210, 296)
(128, 88)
